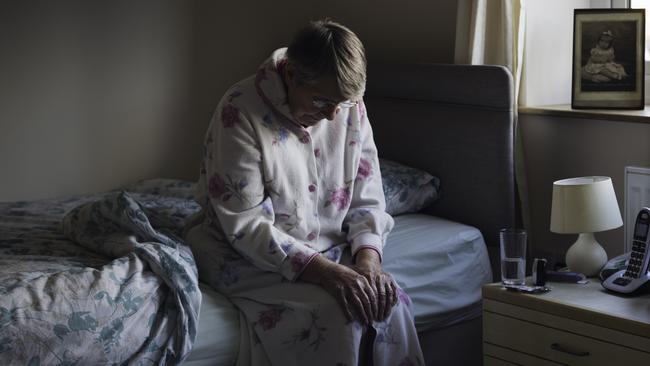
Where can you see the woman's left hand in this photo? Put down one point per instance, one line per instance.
(368, 265)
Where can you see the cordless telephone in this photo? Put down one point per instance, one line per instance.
(635, 277)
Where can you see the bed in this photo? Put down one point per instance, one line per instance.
(138, 298)
(460, 121)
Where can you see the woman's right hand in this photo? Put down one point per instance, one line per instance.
(350, 289)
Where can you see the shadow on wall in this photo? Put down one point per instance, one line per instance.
(100, 94)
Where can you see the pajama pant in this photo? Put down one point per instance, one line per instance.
(297, 323)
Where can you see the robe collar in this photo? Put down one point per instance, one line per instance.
(270, 85)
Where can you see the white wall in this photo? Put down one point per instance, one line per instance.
(92, 94)
(96, 94)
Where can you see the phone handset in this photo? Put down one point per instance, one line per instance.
(635, 277)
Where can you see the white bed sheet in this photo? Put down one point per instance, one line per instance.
(217, 339)
(441, 264)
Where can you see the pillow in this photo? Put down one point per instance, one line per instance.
(407, 189)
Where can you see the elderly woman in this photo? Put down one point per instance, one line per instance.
(293, 220)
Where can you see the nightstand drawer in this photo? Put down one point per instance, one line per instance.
(491, 361)
(497, 356)
(555, 344)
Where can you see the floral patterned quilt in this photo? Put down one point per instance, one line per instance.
(99, 279)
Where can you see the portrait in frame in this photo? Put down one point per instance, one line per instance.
(608, 59)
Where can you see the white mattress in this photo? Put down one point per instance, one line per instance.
(440, 263)
(217, 339)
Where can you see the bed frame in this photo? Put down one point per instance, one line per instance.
(456, 122)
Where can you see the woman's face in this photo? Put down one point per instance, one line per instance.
(311, 103)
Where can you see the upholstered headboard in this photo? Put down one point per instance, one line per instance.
(456, 122)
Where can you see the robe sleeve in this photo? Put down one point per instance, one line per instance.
(367, 222)
(235, 180)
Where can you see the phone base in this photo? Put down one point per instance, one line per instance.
(626, 285)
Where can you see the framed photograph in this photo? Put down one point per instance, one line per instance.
(608, 58)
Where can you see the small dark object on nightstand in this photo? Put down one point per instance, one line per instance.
(561, 276)
(539, 272)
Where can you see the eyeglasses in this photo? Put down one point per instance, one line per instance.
(323, 104)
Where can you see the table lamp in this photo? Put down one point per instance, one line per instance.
(584, 206)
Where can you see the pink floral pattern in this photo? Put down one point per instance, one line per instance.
(216, 186)
(365, 169)
(305, 138)
(268, 319)
(340, 198)
(229, 116)
(403, 297)
(299, 261)
(259, 78)
(225, 189)
(362, 111)
(311, 336)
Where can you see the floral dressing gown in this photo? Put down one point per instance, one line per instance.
(274, 196)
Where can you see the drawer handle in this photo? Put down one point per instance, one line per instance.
(559, 347)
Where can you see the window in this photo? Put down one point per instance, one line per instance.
(644, 4)
(547, 72)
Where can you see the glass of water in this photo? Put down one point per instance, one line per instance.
(513, 256)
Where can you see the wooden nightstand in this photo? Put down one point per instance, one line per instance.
(572, 324)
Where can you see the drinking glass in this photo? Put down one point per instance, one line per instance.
(513, 256)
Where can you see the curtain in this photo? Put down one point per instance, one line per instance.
(492, 32)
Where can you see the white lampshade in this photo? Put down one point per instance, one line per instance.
(584, 206)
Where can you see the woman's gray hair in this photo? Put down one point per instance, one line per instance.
(326, 48)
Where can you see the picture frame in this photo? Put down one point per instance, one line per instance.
(608, 59)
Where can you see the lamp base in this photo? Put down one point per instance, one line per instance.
(586, 255)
